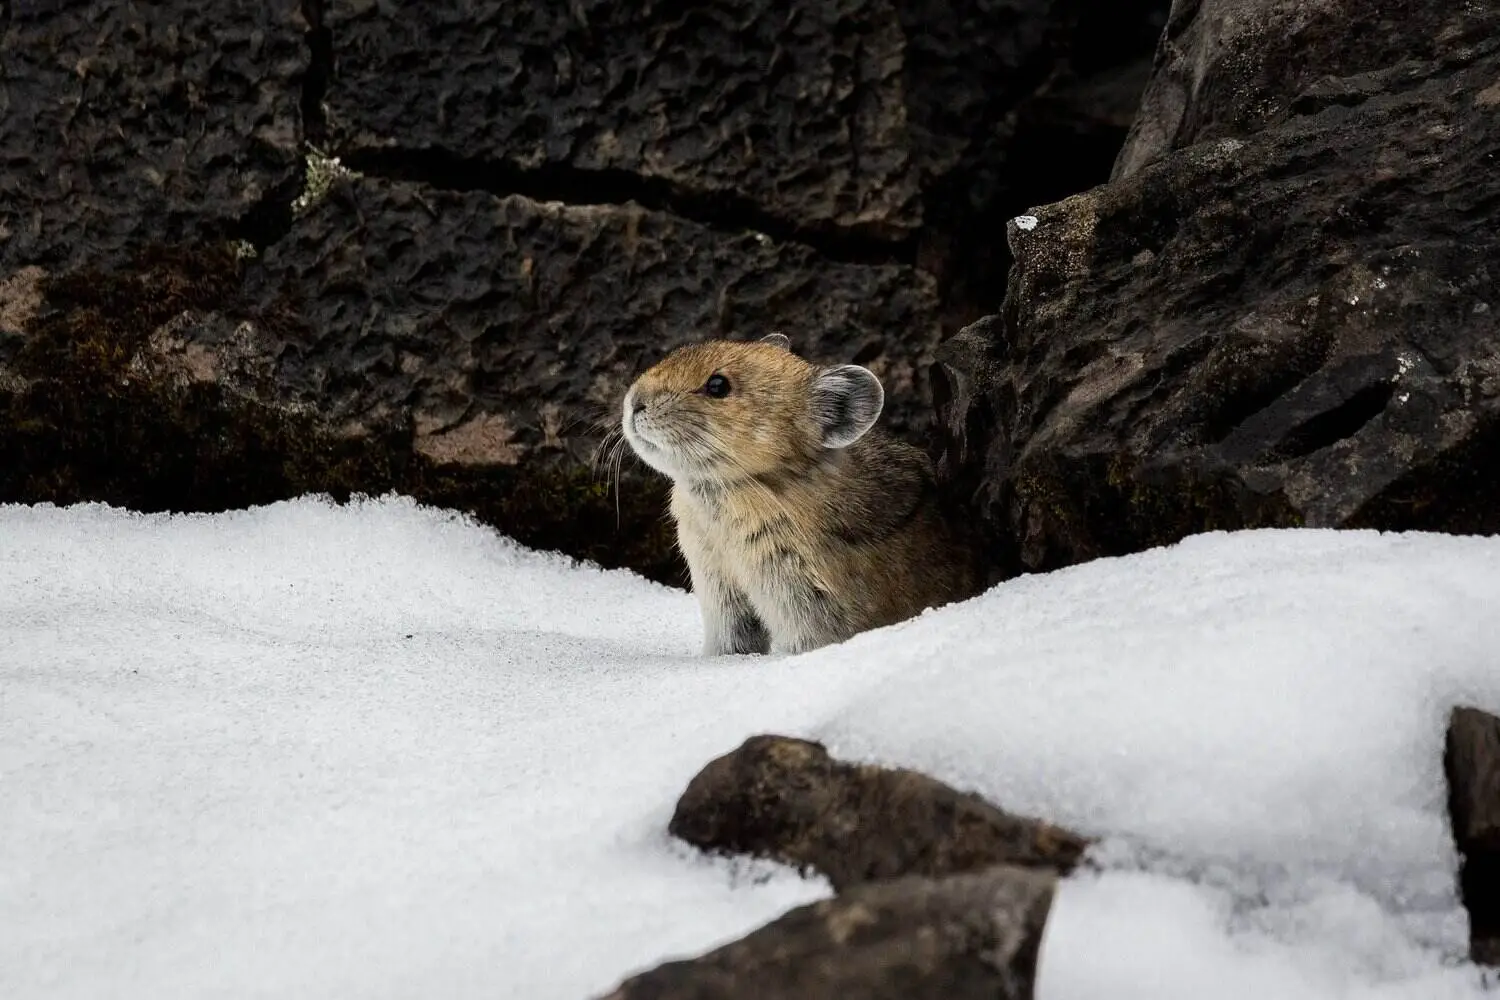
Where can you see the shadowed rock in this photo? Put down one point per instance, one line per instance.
(1472, 763)
(552, 197)
(1294, 325)
(465, 349)
(787, 799)
(963, 937)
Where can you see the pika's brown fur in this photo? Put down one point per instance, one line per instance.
(802, 524)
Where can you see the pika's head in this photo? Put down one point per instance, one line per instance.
(728, 410)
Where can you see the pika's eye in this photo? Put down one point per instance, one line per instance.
(717, 386)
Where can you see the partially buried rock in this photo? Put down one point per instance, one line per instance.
(971, 935)
(1472, 764)
(788, 800)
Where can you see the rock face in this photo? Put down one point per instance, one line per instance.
(528, 316)
(1230, 68)
(1285, 309)
(871, 129)
(198, 311)
(787, 799)
(1472, 764)
(974, 935)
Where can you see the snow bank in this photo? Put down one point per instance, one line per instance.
(377, 750)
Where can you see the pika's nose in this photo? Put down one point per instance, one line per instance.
(637, 404)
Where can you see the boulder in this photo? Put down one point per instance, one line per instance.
(346, 246)
(787, 799)
(975, 935)
(461, 348)
(1471, 762)
(1291, 324)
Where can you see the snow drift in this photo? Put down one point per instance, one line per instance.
(377, 750)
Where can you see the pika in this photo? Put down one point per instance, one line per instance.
(801, 522)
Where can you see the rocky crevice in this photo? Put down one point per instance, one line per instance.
(442, 169)
(319, 73)
(270, 219)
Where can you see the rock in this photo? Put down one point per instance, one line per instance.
(794, 114)
(461, 348)
(975, 935)
(882, 130)
(129, 123)
(552, 197)
(1296, 327)
(1230, 68)
(1471, 762)
(463, 306)
(787, 799)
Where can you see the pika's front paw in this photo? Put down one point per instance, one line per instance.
(744, 633)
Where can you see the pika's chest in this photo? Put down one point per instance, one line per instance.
(743, 535)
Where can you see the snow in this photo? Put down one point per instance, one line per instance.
(1025, 223)
(377, 750)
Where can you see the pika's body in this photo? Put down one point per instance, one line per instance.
(801, 523)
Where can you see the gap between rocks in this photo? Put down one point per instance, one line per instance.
(570, 185)
(271, 219)
(319, 71)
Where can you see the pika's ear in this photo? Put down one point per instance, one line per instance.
(846, 402)
(777, 340)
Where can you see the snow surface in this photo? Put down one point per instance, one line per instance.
(379, 751)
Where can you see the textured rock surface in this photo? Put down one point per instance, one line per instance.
(873, 129)
(1297, 327)
(975, 936)
(451, 345)
(1229, 68)
(1472, 764)
(552, 197)
(464, 307)
(787, 799)
(681, 95)
(127, 123)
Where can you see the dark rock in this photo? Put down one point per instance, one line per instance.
(871, 129)
(797, 112)
(157, 387)
(1230, 68)
(1471, 761)
(787, 799)
(975, 935)
(465, 307)
(461, 348)
(554, 196)
(1296, 327)
(124, 124)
